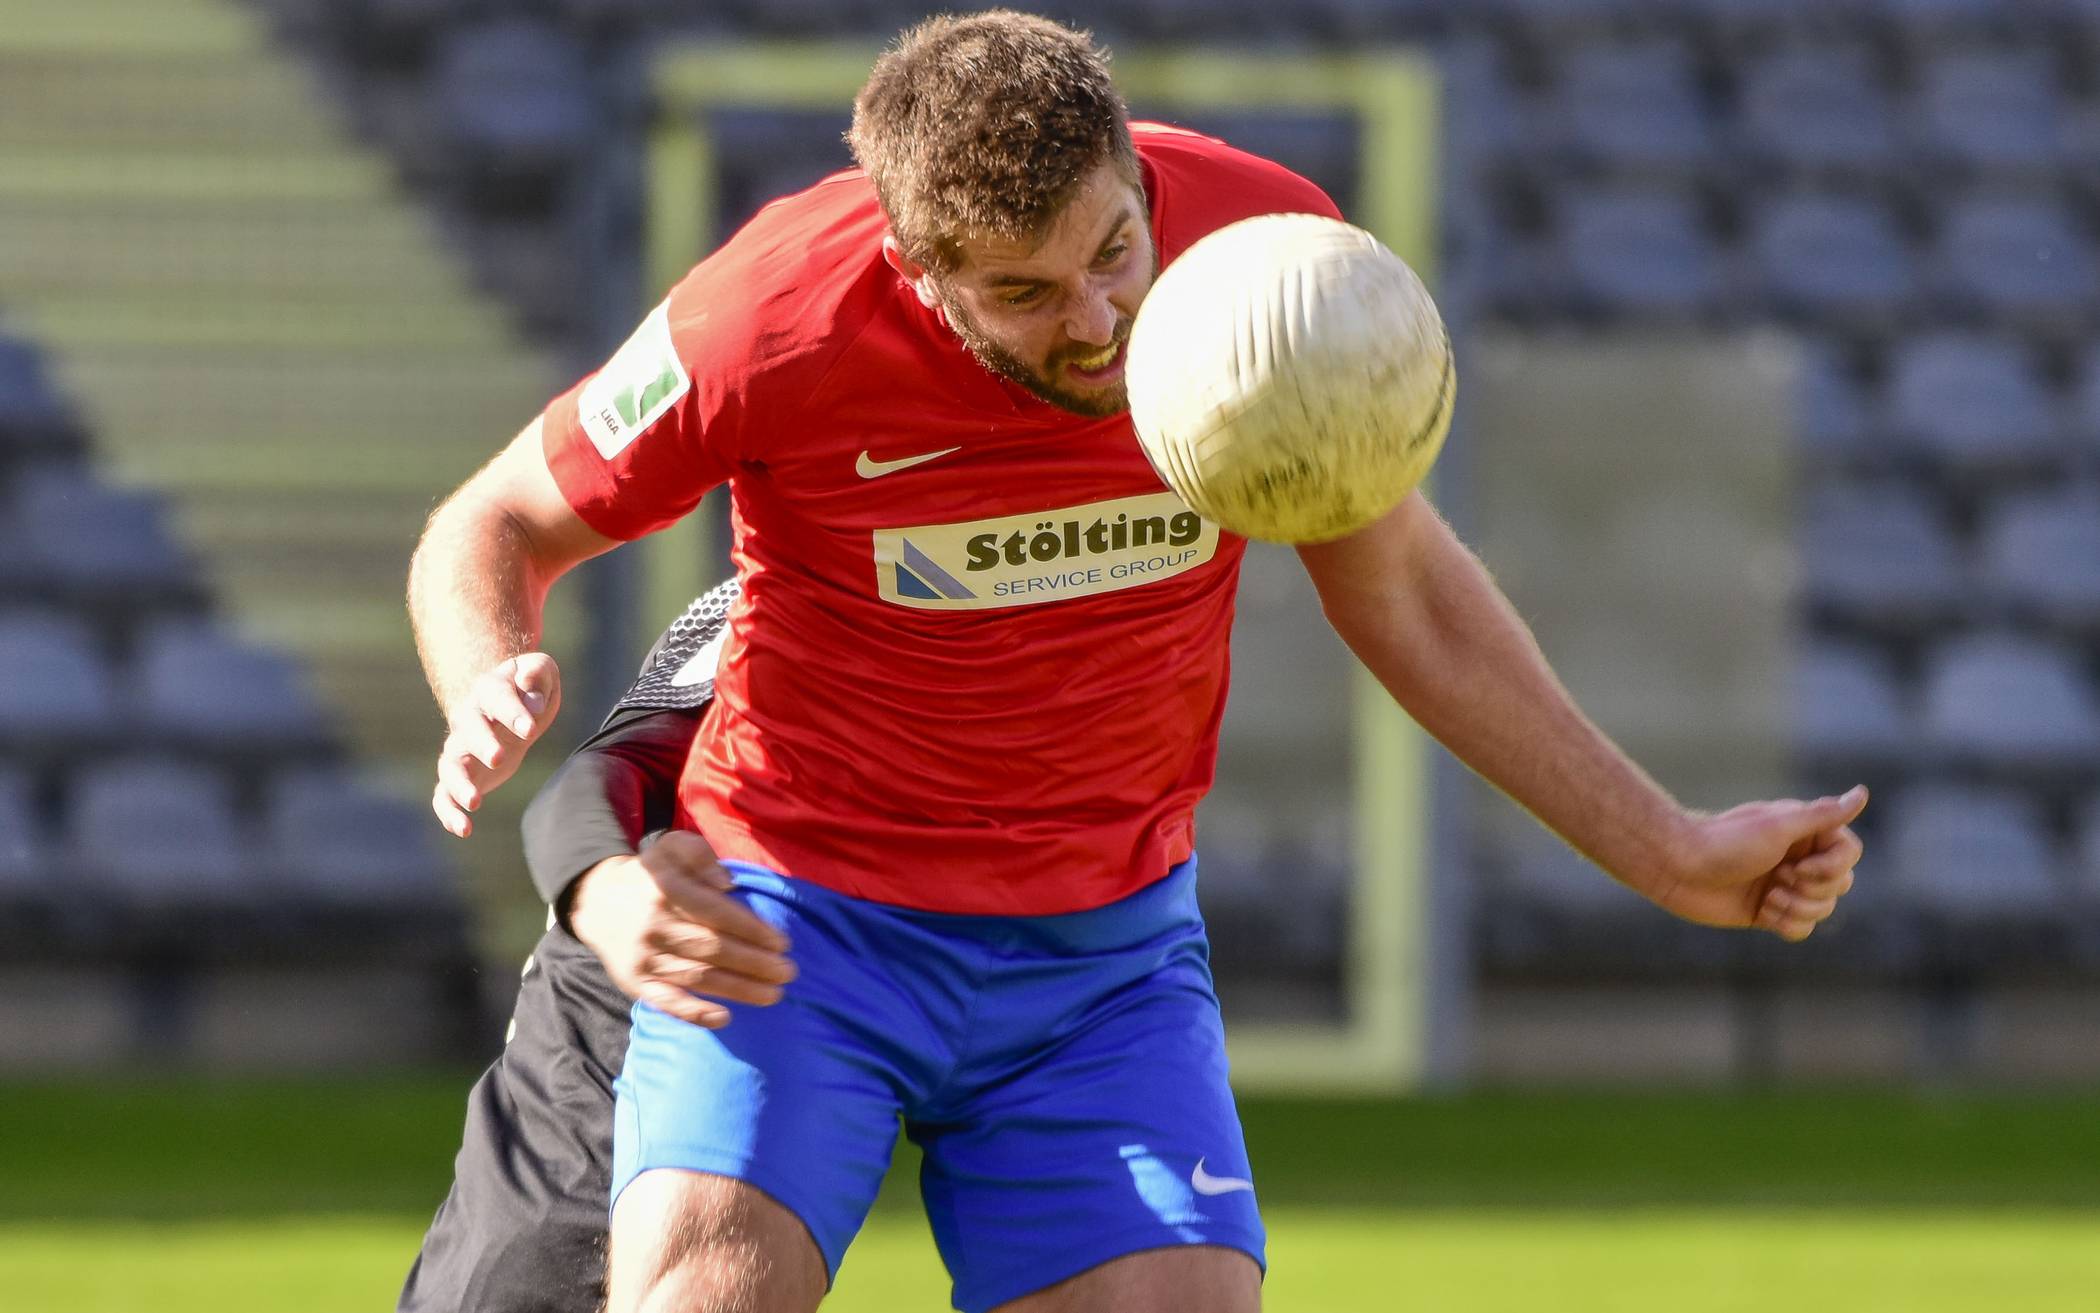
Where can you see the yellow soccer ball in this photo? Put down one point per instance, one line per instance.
(1290, 378)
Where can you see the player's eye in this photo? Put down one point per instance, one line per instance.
(1024, 296)
(1110, 254)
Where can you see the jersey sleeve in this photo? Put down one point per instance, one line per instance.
(635, 445)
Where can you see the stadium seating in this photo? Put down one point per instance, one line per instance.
(1815, 109)
(2084, 407)
(59, 697)
(104, 547)
(2041, 556)
(1631, 107)
(1833, 409)
(2018, 260)
(335, 839)
(200, 687)
(23, 864)
(1991, 111)
(516, 98)
(1973, 405)
(159, 835)
(1638, 252)
(34, 419)
(1879, 555)
(1977, 864)
(1850, 711)
(2011, 704)
(1829, 258)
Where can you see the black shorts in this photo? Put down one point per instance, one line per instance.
(523, 1229)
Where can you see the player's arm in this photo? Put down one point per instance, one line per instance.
(658, 915)
(477, 588)
(1423, 614)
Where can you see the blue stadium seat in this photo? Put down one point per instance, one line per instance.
(24, 856)
(1485, 116)
(2011, 703)
(1941, 20)
(2041, 555)
(1632, 105)
(2084, 416)
(161, 832)
(1638, 253)
(1992, 111)
(58, 695)
(207, 689)
(2017, 259)
(1834, 413)
(1849, 707)
(1819, 108)
(335, 838)
(518, 100)
(1879, 556)
(20, 579)
(1972, 855)
(2085, 851)
(1829, 257)
(1974, 404)
(97, 543)
(34, 418)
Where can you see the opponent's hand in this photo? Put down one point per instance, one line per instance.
(504, 713)
(1777, 866)
(667, 930)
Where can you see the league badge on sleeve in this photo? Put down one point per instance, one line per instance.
(643, 379)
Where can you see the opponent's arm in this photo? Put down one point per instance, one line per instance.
(659, 917)
(477, 586)
(619, 786)
(1421, 612)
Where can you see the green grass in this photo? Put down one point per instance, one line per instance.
(312, 1197)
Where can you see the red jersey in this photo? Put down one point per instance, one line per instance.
(980, 658)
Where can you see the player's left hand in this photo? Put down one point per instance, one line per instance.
(504, 713)
(1777, 866)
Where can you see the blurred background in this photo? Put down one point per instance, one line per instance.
(1779, 338)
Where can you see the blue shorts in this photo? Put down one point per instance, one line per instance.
(1064, 1075)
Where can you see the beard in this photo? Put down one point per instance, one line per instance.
(1098, 403)
(1095, 403)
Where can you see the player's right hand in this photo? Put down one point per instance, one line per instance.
(668, 931)
(504, 712)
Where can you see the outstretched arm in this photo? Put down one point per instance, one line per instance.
(1423, 615)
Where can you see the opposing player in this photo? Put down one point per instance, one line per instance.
(968, 701)
(523, 1228)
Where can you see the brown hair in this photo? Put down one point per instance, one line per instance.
(985, 125)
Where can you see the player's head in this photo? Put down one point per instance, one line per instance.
(1002, 156)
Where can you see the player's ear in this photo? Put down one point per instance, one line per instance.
(910, 270)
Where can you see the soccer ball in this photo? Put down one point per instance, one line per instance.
(1290, 378)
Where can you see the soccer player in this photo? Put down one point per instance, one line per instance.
(523, 1227)
(967, 702)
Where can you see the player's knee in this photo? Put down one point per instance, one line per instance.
(687, 1242)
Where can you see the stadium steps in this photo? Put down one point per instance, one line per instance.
(254, 318)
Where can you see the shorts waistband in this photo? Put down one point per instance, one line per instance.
(1166, 902)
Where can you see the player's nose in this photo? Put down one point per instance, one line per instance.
(1092, 321)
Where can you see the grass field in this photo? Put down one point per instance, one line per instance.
(180, 1196)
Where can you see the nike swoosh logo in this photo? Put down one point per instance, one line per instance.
(870, 468)
(1205, 1183)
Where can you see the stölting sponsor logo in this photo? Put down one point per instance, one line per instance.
(1046, 556)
